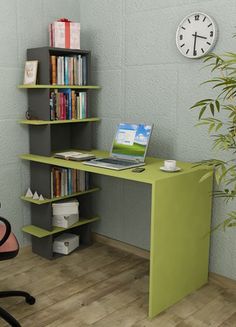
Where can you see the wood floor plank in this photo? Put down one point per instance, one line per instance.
(107, 304)
(214, 314)
(194, 302)
(101, 286)
(75, 302)
(127, 315)
(105, 268)
(38, 278)
(229, 322)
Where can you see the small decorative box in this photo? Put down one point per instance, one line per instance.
(64, 33)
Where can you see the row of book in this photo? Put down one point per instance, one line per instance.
(66, 181)
(68, 104)
(67, 70)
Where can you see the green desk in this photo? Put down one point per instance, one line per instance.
(180, 224)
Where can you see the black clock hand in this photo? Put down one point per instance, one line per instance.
(194, 44)
(202, 37)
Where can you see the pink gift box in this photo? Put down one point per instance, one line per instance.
(64, 33)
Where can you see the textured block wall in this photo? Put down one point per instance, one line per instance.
(24, 24)
(145, 78)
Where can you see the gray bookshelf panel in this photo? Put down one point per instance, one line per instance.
(40, 178)
(41, 216)
(43, 57)
(40, 140)
(38, 104)
(81, 136)
(43, 246)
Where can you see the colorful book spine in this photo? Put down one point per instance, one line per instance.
(66, 181)
(73, 105)
(53, 70)
(66, 71)
(68, 104)
(69, 70)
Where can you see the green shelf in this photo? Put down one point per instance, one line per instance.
(49, 86)
(50, 122)
(40, 233)
(46, 201)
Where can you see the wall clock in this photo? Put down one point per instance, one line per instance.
(196, 35)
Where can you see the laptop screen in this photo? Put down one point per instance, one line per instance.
(131, 141)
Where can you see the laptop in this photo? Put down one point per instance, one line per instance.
(129, 147)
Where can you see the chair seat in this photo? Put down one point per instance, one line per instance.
(10, 246)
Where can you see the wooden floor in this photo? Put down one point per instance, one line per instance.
(101, 286)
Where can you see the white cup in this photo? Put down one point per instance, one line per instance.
(170, 164)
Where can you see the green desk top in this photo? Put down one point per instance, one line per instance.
(151, 174)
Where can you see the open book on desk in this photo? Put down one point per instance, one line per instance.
(73, 155)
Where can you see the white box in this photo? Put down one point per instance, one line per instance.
(64, 221)
(65, 208)
(65, 214)
(65, 243)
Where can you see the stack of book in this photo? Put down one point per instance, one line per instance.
(68, 104)
(67, 70)
(66, 181)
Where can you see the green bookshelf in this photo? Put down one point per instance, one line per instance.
(40, 233)
(52, 122)
(45, 201)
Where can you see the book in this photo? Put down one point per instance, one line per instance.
(54, 69)
(73, 155)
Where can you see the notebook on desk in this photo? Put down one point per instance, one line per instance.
(129, 148)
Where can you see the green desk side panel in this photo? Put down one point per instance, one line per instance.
(180, 224)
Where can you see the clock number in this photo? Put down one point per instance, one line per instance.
(181, 37)
(211, 33)
(196, 17)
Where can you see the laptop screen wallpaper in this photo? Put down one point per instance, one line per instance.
(131, 139)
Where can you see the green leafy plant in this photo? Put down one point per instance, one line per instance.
(219, 116)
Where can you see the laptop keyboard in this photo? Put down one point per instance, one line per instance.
(117, 162)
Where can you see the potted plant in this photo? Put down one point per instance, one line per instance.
(219, 116)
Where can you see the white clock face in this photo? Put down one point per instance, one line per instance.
(196, 35)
